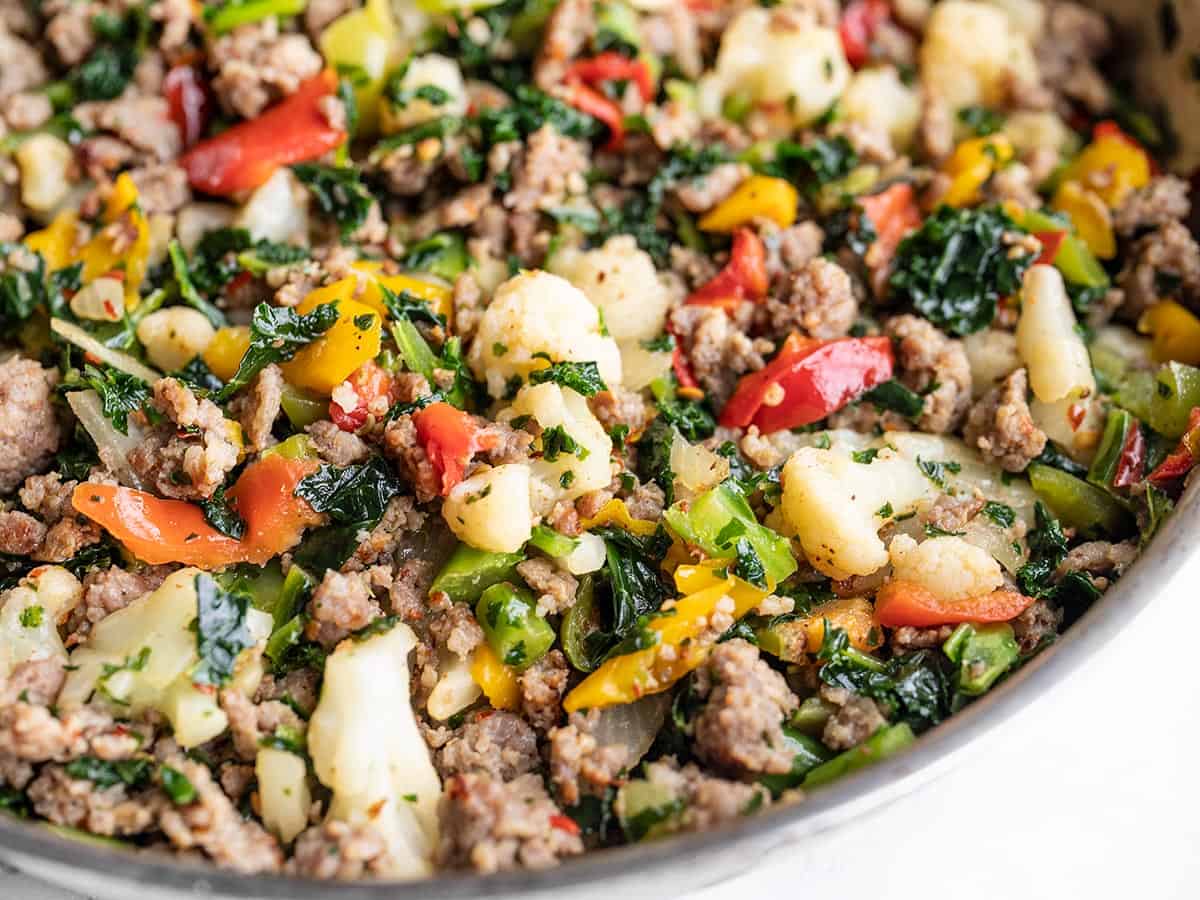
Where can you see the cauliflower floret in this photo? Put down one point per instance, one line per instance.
(455, 689)
(492, 510)
(30, 615)
(970, 52)
(782, 60)
(878, 99)
(992, 354)
(277, 210)
(1058, 361)
(561, 411)
(620, 279)
(142, 657)
(283, 794)
(367, 749)
(947, 565)
(442, 81)
(836, 506)
(536, 312)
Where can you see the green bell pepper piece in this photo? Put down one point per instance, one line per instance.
(1116, 433)
(418, 356)
(983, 654)
(301, 407)
(882, 744)
(469, 572)
(231, 15)
(808, 753)
(579, 624)
(1076, 262)
(1080, 505)
(551, 542)
(444, 255)
(298, 446)
(1176, 392)
(647, 809)
(509, 619)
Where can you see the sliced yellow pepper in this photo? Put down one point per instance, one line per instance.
(973, 162)
(56, 242)
(226, 350)
(853, 615)
(106, 253)
(354, 338)
(364, 41)
(1112, 166)
(632, 676)
(758, 197)
(497, 681)
(615, 512)
(438, 296)
(1089, 215)
(1175, 331)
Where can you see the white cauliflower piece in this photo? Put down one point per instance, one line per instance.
(492, 510)
(31, 614)
(782, 60)
(431, 71)
(992, 354)
(536, 312)
(640, 366)
(455, 689)
(948, 566)
(568, 475)
(1053, 350)
(283, 794)
(621, 281)
(878, 99)
(970, 52)
(277, 210)
(142, 657)
(367, 749)
(836, 506)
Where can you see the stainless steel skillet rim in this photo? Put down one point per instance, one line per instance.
(28, 846)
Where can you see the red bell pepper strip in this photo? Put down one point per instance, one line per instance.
(371, 382)
(816, 379)
(744, 277)
(1182, 459)
(188, 102)
(450, 438)
(246, 155)
(679, 362)
(894, 214)
(595, 104)
(1050, 241)
(857, 28)
(1132, 461)
(612, 66)
(159, 531)
(901, 603)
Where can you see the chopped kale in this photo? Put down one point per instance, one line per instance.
(339, 192)
(654, 456)
(581, 377)
(1074, 592)
(221, 516)
(187, 287)
(177, 786)
(633, 569)
(813, 165)
(1000, 513)
(895, 397)
(277, 333)
(444, 254)
(221, 631)
(691, 417)
(108, 773)
(406, 305)
(120, 393)
(351, 494)
(21, 291)
(981, 120)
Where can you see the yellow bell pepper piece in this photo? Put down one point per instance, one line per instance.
(439, 297)
(130, 254)
(354, 338)
(1089, 215)
(56, 242)
(234, 430)
(364, 41)
(1112, 167)
(853, 615)
(1175, 331)
(973, 162)
(758, 197)
(497, 681)
(624, 679)
(226, 350)
(615, 512)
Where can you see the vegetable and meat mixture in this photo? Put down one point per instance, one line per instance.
(461, 435)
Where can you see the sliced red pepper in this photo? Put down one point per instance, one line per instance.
(1182, 459)
(370, 382)
(1050, 241)
(450, 438)
(595, 104)
(188, 102)
(857, 28)
(159, 531)
(901, 603)
(744, 277)
(1132, 461)
(246, 155)
(816, 379)
(612, 66)
(894, 214)
(564, 823)
(679, 362)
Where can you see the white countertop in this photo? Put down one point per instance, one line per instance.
(1091, 792)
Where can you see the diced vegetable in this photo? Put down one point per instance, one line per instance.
(1175, 330)
(758, 197)
(900, 603)
(884, 743)
(551, 542)
(1078, 504)
(1114, 160)
(646, 809)
(1047, 339)
(971, 165)
(498, 682)
(351, 341)
(1170, 472)
(283, 792)
(30, 615)
(492, 510)
(469, 572)
(508, 616)
(1076, 262)
(983, 653)
(792, 640)
(1089, 215)
(807, 754)
(744, 277)
(1121, 457)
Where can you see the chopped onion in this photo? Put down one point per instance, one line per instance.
(634, 725)
(72, 333)
(588, 556)
(113, 447)
(696, 468)
(455, 690)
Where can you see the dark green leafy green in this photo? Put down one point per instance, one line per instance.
(350, 494)
(221, 516)
(339, 192)
(894, 396)
(120, 393)
(1000, 513)
(812, 165)
(277, 333)
(981, 120)
(177, 786)
(106, 773)
(221, 631)
(1075, 591)
(22, 290)
(692, 417)
(406, 305)
(654, 456)
(443, 254)
(581, 377)
(632, 566)
(187, 287)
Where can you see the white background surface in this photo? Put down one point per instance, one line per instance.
(1092, 792)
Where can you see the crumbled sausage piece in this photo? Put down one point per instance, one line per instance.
(935, 365)
(740, 729)
(340, 448)
(20, 533)
(80, 803)
(1098, 558)
(339, 605)
(556, 588)
(569, 28)
(702, 193)
(104, 592)
(717, 349)
(618, 406)
(1001, 427)
(454, 628)
(259, 407)
(707, 801)
(380, 545)
(1167, 254)
(30, 433)
(550, 167)
(1035, 626)
(339, 850)
(491, 825)
(400, 444)
(1165, 198)
(906, 638)
(579, 764)
(855, 720)
(542, 687)
(249, 721)
(495, 743)
(819, 302)
(256, 65)
(950, 512)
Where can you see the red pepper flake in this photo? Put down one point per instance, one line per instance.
(564, 823)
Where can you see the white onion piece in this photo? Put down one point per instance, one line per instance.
(72, 333)
(455, 689)
(114, 447)
(633, 724)
(696, 468)
(588, 556)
